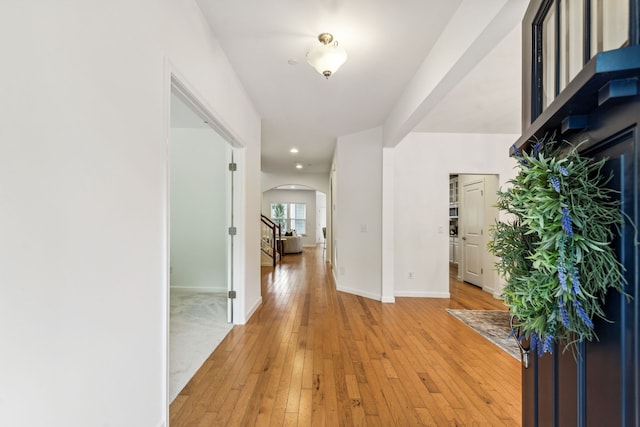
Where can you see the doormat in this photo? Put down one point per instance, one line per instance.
(492, 324)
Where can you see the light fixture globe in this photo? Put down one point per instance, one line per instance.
(327, 57)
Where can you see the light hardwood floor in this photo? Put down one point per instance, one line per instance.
(312, 356)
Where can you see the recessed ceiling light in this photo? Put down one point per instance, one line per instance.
(292, 61)
(294, 150)
(298, 166)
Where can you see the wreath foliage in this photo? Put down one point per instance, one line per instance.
(555, 251)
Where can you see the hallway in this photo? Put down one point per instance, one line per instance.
(314, 356)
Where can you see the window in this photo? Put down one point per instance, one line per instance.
(548, 57)
(297, 217)
(566, 34)
(571, 40)
(609, 25)
(290, 216)
(279, 214)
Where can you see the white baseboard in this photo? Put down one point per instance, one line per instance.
(251, 311)
(420, 294)
(359, 292)
(388, 299)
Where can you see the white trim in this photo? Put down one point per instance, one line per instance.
(420, 294)
(251, 311)
(239, 243)
(174, 80)
(359, 292)
(388, 299)
(230, 221)
(166, 133)
(190, 96)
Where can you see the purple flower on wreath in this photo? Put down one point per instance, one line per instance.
(518, 154)
(562, 275)
(583, 315)
(555, 183)
(544, 345)
(575, 280)
(537, 148)
(566, 222)
(548, 344)
(561, 248)
(563, 314)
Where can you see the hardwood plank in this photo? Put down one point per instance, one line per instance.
(330, 394)
(425, 417)
(306, 406)
(313, 356)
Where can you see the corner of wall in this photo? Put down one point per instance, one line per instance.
(251, 311)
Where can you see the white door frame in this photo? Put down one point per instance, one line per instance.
(173, 80)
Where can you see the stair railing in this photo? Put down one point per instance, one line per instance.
(271, 241)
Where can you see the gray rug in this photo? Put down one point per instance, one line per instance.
(491, 324)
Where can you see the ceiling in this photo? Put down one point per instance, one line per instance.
(386, 42)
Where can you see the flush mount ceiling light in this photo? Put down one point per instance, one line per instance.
(298, 166)
(327, 57)
(294, 150)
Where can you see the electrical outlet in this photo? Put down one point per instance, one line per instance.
(410, 275)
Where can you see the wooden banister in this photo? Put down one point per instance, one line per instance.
(275, 228)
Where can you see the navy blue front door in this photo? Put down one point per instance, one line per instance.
(599, 386)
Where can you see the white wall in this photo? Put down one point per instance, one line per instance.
(423, 162)
(307, 197)
(358, 213)
(198, 210)
(83, 203)
(317, 181)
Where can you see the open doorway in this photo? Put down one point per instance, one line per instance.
(302, 212)
(200, 214)
(472, 211)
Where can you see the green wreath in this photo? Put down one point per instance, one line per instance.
(555, 251)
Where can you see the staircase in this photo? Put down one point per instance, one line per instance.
(270, 235)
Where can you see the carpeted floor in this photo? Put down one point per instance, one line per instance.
(491, 324)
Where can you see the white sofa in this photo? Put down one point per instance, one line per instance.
(292, 245)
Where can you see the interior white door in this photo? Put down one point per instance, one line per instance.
(472, 218)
